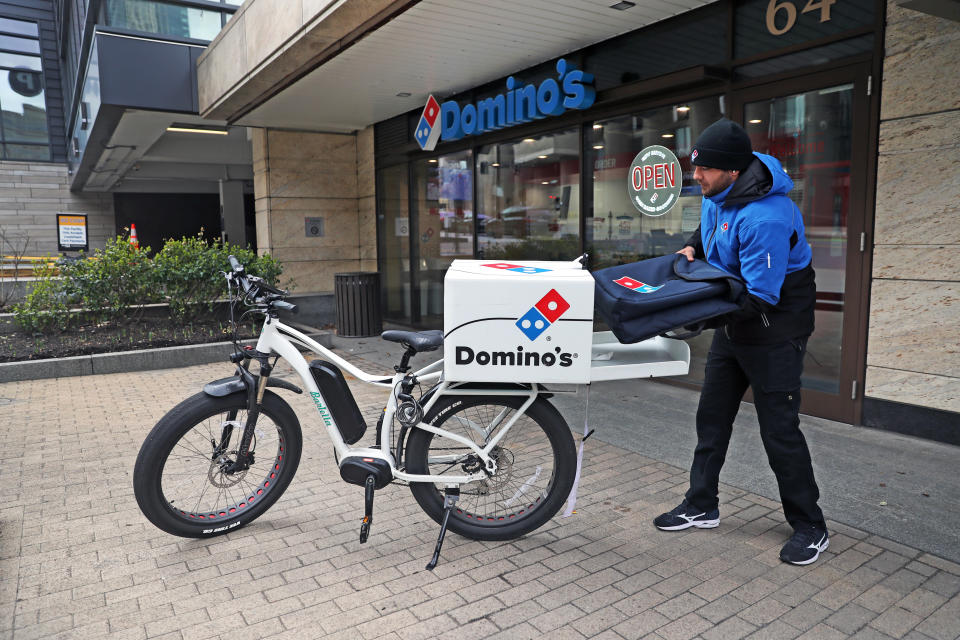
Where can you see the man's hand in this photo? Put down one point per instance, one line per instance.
(688, 251)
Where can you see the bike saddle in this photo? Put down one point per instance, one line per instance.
(418, 341)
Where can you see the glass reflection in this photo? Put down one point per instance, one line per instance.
(617, 232)
(164, 19)
(393, 211)
(810, 133)
(529, 198)
(443, 193)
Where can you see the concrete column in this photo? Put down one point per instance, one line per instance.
(232, 219)
(305, 185)
(911, 351)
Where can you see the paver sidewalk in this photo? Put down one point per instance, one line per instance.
(78, 560)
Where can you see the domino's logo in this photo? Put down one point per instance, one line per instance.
(636, 285)
(430, 127)
(516, 268)
(543, 314)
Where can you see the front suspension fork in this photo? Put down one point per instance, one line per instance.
(254, 400)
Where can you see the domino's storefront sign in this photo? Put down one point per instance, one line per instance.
(571, 89)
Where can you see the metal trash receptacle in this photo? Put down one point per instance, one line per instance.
(358, 304)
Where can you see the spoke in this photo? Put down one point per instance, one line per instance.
(189, 446)
(200, 497)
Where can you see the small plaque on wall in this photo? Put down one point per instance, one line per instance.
(72, 232)
(314, 227)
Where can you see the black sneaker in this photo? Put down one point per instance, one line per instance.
(805, 545)
(686, 516)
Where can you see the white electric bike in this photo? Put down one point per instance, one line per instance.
(489, 461)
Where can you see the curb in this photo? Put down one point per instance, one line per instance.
(126, 361)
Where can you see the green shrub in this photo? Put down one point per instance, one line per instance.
(113, 285)
(44, 309)
(190, 272)
(119, 280)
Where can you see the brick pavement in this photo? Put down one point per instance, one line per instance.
(77, 559)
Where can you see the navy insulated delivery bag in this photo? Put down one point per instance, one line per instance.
(643, 299)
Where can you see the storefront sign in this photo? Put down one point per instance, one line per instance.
(654, 181)
(448, 121)
(71, 232)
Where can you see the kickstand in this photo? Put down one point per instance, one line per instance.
(367, 508)
(451, 495)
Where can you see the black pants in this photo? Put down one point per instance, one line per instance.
(773, 372)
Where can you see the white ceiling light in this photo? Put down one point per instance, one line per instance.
(182, 128)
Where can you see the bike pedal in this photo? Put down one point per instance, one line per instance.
(364, 530)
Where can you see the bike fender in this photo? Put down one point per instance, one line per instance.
(234, 384)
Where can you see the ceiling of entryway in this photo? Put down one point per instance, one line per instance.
(444, 47)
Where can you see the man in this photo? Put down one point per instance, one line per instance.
(750, 228)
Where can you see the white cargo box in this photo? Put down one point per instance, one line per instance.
(517, 321)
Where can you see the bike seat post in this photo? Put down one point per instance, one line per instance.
(404, 365)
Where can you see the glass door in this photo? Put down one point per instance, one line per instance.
(442, 230)
(808, 124)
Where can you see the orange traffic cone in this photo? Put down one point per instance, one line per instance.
(133, 236)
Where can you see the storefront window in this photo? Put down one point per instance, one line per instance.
(617, 232)
(529, 198)
(443, 196)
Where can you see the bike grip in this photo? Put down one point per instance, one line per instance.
(235, 264)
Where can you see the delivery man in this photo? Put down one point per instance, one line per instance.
(750, 228)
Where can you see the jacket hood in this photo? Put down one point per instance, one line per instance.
(762, 177)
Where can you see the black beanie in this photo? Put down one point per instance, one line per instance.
(722, 145)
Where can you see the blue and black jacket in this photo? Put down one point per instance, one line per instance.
(754, 231)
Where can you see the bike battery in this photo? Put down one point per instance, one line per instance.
(339, 400)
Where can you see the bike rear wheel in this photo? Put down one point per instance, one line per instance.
(182, 478)
(536, 464)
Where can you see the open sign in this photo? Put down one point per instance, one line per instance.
(654, 181)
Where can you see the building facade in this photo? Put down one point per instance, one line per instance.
(857, 98)
(100, 120)
(850, 94)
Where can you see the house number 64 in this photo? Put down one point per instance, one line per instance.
(774, 7)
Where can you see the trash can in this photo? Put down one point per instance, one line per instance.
(358, 304)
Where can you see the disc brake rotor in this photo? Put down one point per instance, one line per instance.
(222, 480)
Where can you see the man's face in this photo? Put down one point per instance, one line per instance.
(713, 181)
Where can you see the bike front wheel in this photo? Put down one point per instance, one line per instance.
(184, 479)
(536, 464)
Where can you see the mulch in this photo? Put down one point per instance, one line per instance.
(146, 333)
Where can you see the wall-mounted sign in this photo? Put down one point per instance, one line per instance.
(401, 227)
(654, 181)
(572, 89)
(313, 227)
(72, 232)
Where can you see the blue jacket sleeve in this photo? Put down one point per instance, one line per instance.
(764, 253)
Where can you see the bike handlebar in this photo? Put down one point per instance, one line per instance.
(256, 288)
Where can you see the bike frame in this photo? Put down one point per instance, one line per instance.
(281, 339)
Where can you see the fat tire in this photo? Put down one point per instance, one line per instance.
(510, 526)
(148, 471)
